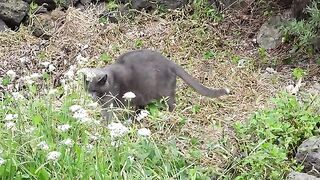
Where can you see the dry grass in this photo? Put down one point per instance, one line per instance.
(185, 42)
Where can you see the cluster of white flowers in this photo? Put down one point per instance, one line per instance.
(30, 130)
(294, 89)
(70, 73)
(63, 128)
(43, 146)
(81, 60)
(81, 114)
(143, 114)
(129, 95)
(68, 142)
(53, 156)
(52, 92)
(94, 137)
(117, 130)
(11, 74)
(49, 66)
(17, 96)
(31, 79)
(2, 161)
(10, 117)
(89, 148)
(10, 124)
(144, 132)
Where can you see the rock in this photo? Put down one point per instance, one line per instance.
(152, 5)
(85, 2)
(49, 4)
(298, 8)
(27, 1)
(301, 176)
(13, 11)
(45, 24)
(269, 35)
(222, 4)
(308, 154)
(173, 4)
(3, 26)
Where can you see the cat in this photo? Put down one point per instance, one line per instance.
(146, 73)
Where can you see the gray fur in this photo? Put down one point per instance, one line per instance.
(147, 74)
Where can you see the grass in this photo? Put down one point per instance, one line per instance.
(89, 152)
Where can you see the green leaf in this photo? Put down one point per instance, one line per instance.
(105, 57)
(37, 119)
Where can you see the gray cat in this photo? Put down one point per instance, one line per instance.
(146, 73)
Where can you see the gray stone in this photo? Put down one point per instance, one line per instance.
(269, 35)
(222, 4)
(308, 154)
(298, 8)
(3, 26)
(13, 11)
(301, 176)
(152, 5)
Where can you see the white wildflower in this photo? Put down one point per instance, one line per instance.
(53, 156)
(94, 137)
(93, 105)
(89, 147)
(30, 130)
(117, 130)
(24, 60)
(82, 116)
(131, 158)
(294, 89)
(10, 125)
(2, 161)
(51, 68)
(11, 74)
(35, 75)
(85, 46)
(68, 142)
(64, 127)
(28, 80)
(52, 91)
(143, 114)
(144, 132)
(129, 95)
(43, 145)
(116, 143)
(10, 117)
(45, 64)
(75, 108)
(81, 60)
(17, 95)
(70, 73)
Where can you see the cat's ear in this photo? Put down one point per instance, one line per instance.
(103, 80)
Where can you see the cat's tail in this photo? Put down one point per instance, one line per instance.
(197, 86)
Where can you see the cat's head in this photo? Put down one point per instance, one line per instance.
(96, 83)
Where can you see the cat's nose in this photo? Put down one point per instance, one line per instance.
(94, 96)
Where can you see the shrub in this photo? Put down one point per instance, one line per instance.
(268, 140)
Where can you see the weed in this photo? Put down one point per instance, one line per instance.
(298, 73)
(304, 31)
(268, 139)
(105, 57)
(204, 11)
